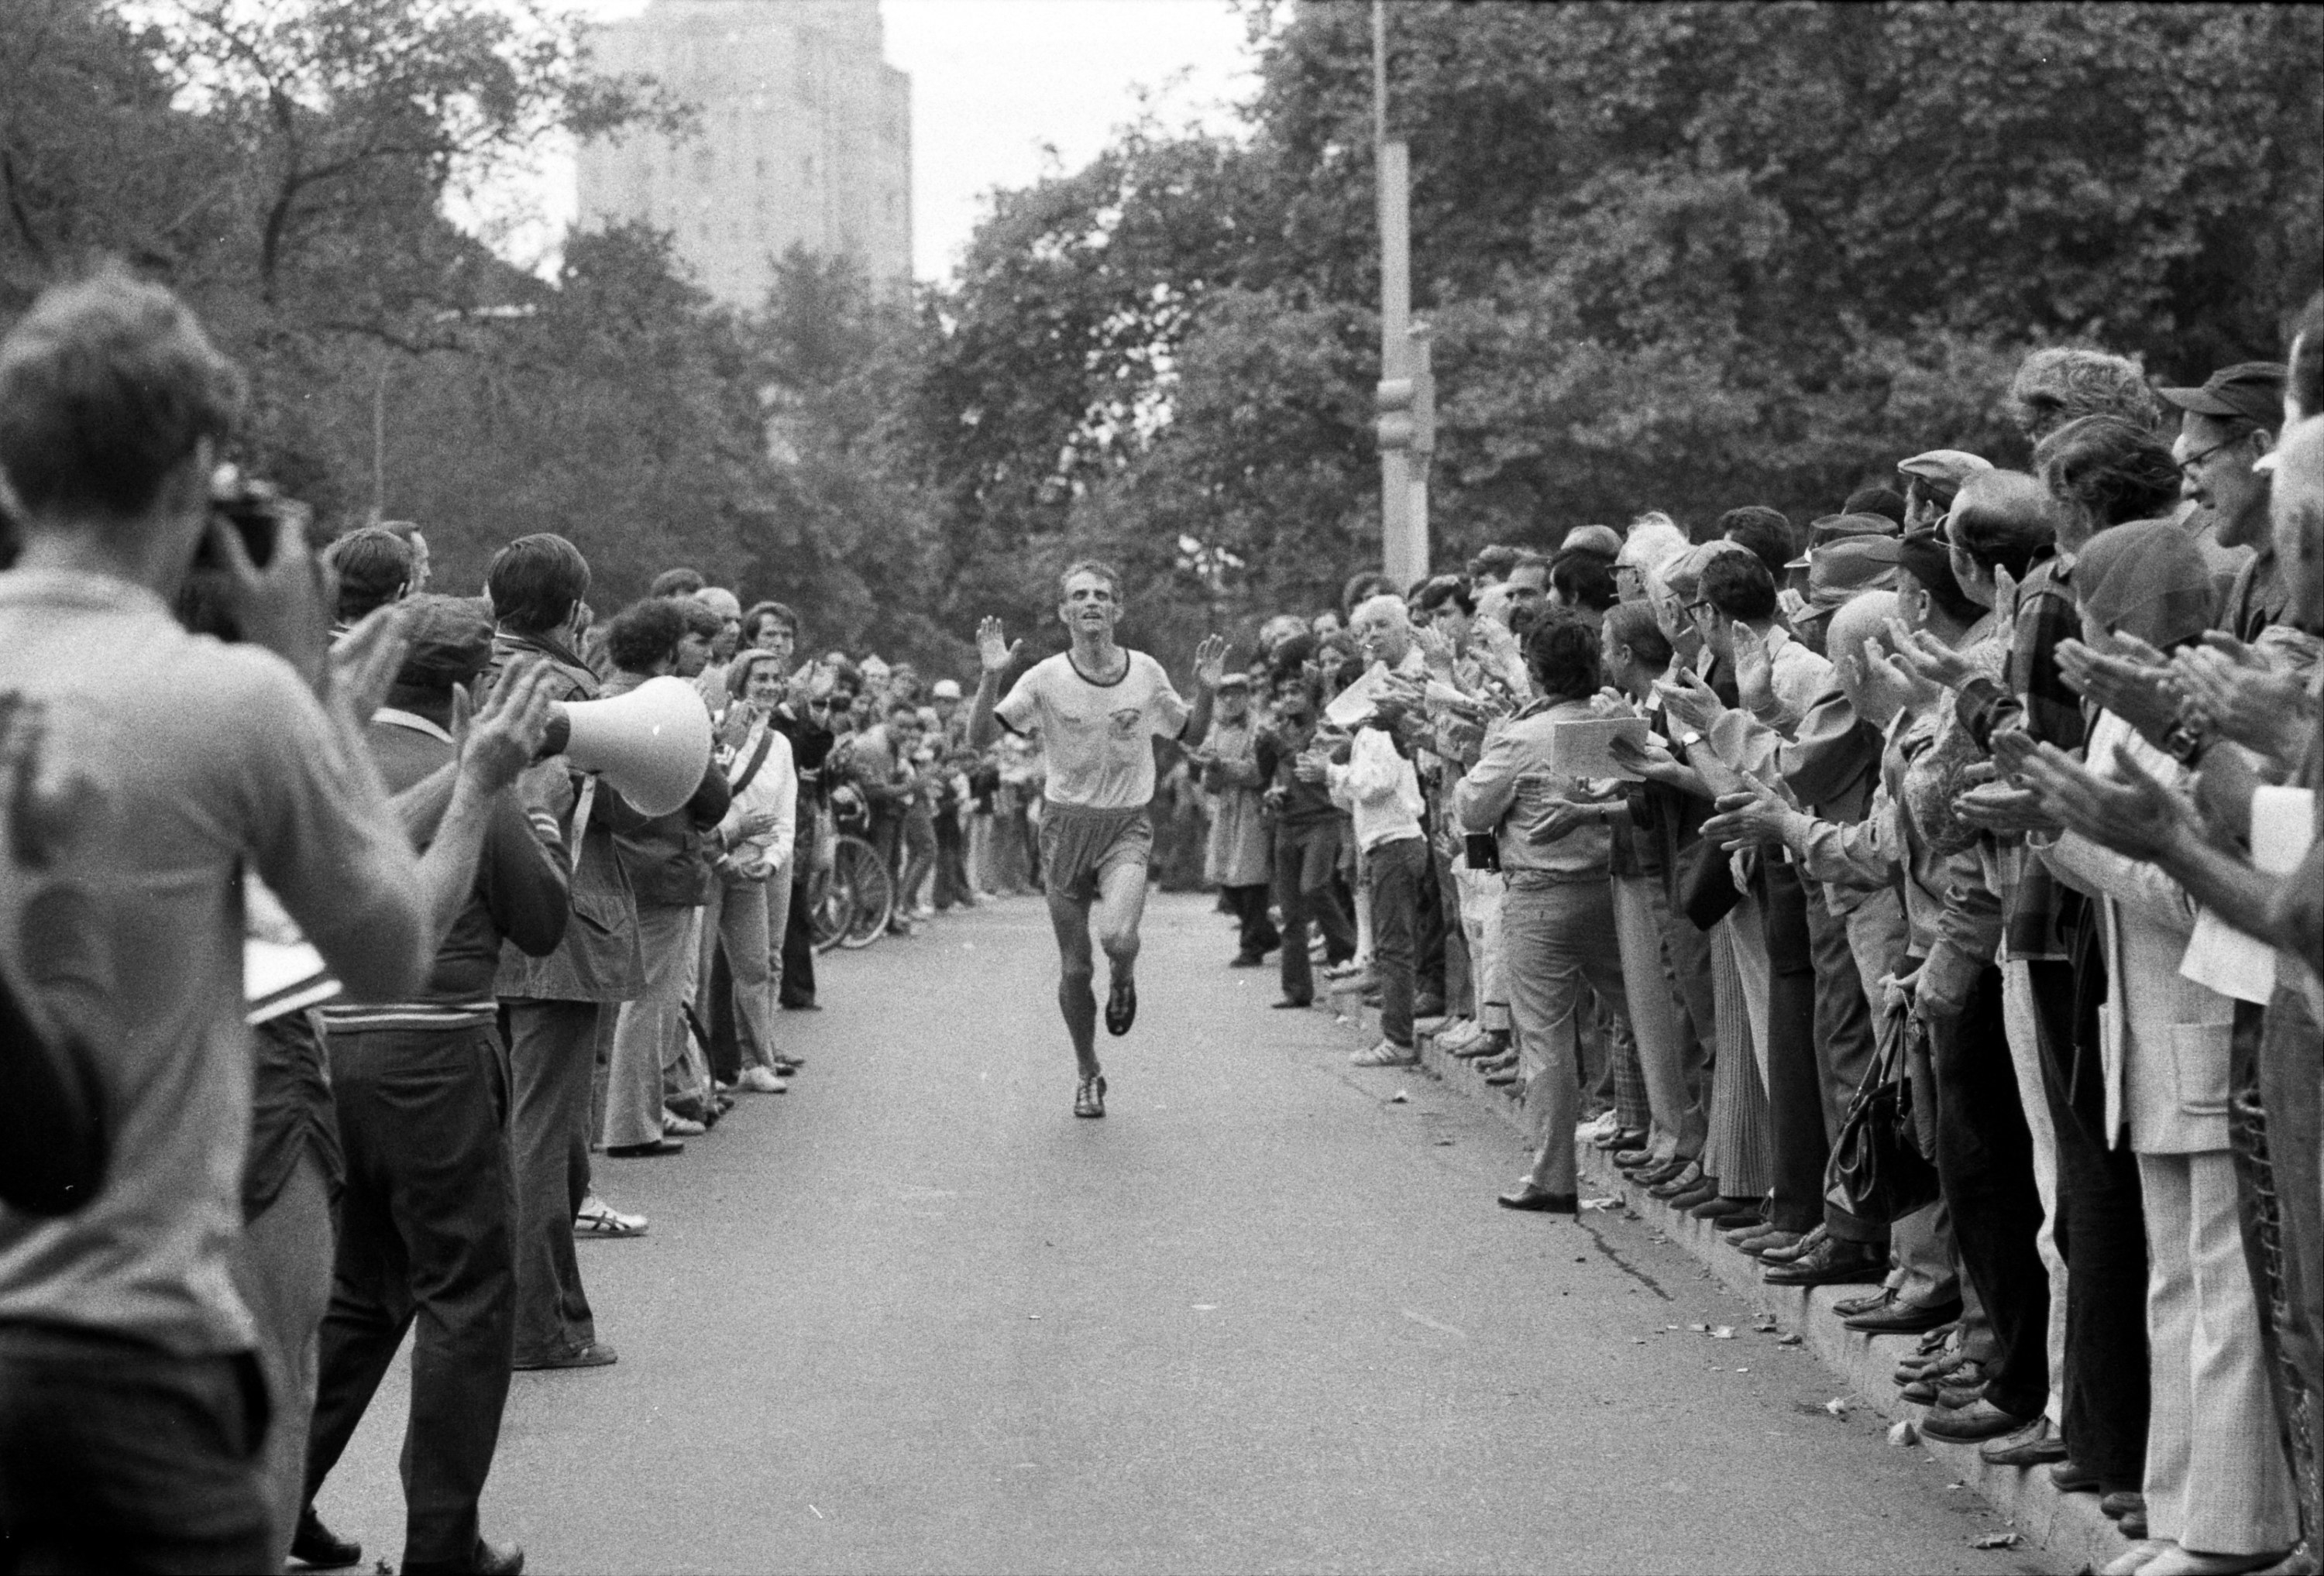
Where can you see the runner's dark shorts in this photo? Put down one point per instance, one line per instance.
(1080, 844)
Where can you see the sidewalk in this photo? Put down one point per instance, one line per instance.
(2068, 1525)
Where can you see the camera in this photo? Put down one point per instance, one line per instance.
(253, 508)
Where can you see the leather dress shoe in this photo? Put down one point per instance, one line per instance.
(1687, 1179)
(2133, 1525)
(2071, 1477)
(1718, 1204)
(1847, 1307)
(1532, 1199)
(1830, 1263)
(1621, 1138)
(1654, 1174)
(1635, 1160)
(1797, 1251)
(2040, 1448)
(484, 1560)
(1774, 1237)
(1696, 1197)
(1964, 1386)
(1502, 1076)
(1736, 1220)
(1896, 1316)
(2121, 1502)
(318, 1545)
(1978, 1421)
(1288, 1005)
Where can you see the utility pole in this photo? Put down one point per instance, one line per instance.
(1406, 397)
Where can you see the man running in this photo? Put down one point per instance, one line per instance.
(1098, 710)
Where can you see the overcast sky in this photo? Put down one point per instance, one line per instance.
(993, 80)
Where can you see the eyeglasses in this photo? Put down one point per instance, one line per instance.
(2187, 466)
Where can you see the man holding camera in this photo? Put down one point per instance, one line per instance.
(135, 1396)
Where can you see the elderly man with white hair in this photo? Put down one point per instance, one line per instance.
(1381, 790)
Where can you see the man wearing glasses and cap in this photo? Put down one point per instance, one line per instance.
(2224, 428)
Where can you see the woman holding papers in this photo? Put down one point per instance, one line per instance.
(1557, 921)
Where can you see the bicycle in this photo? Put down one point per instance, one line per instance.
(851, 895)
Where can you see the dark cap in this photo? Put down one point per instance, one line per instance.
(1841, 569)
(1839, 528)
(451, 640)
(1925, 556)
(2249, 390)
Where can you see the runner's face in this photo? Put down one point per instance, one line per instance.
(1089, 605)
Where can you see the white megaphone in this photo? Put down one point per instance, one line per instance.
(651, 746)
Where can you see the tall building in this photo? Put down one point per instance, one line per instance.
(803, 136)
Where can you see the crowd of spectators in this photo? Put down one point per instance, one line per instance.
(1927, 894)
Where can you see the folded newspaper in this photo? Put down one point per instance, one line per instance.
(1583, 747)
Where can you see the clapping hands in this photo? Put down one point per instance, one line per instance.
(2126, 675)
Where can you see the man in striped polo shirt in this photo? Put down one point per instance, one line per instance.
(423, 1087)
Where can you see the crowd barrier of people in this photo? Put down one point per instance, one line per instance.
(1927, 894)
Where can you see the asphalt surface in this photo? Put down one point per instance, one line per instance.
(913, 1316)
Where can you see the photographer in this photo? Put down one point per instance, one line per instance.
(134, 1403)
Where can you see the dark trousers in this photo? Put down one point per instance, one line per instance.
(2272, 1130)
(2100, 1230)
(1255, 932)
(1985, 1165)
(1394, 875)
(798, 987)
(424, 1235)
(952, 863)
(1844, 1043)
(1794, 1097)
(552, 1050)
(1438, 920)
(118, 1456)
(1306, 862)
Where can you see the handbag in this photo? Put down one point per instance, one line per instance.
(1706, 885)
(1878, 1170)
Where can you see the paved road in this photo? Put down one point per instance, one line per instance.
(913, 1316)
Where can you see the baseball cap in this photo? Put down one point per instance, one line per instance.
(945, 689)
(2249, 390)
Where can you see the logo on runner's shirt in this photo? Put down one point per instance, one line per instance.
(1126, 721)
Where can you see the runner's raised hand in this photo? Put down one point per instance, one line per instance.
(994, 650)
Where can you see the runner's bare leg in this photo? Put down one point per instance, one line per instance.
(1120, 904)
(1069, 916)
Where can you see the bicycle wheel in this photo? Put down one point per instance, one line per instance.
(828, 906)
(856, 868)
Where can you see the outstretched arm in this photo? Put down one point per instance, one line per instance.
(1210, 670)
(994, 653)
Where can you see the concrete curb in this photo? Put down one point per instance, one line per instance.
(2069, 1526)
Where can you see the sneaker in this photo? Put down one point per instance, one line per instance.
(761, 1081)
(1089, 1096)
(674, 1126)
(1459, 1032)
(596, 1218)
(1386, 1053)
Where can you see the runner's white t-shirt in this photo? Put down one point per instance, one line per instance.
(1097, 738)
